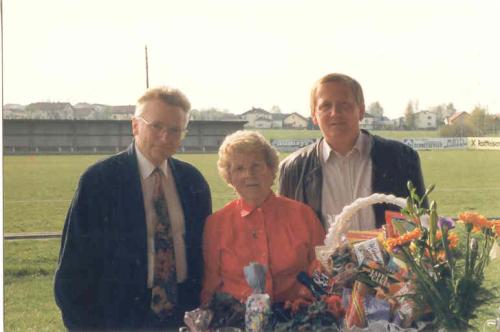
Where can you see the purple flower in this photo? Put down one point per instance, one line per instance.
(446, 222)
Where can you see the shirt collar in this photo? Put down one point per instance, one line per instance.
(362, 146)
(146, 167)
(246, 209)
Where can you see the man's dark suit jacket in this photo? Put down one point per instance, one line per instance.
(101, 279)
(393, 165)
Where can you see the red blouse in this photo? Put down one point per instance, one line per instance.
(280, 234)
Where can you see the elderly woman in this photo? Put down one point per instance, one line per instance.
(259, 226)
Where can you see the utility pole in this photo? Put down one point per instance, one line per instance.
(147, 71)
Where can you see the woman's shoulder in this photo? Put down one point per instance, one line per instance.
(291, 204)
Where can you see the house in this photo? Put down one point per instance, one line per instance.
(425, 120)
(49, 110)
(295, 120)
(367, 122)
(278, 119)
(13, 111)
(398, 123)
(263, 123)
(384, 123)
(256, 113)
(84, 113)
(124, 112)
(457, 118)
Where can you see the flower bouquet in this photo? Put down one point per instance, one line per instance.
(420, 271)
(448, 282)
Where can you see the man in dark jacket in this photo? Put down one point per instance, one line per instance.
(347, 163)
(108, 262)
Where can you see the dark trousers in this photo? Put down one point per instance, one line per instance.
(185, 303)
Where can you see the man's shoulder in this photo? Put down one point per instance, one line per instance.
(299, 156)
(110, 165)
(184, 168)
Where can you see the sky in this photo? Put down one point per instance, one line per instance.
(238, 54)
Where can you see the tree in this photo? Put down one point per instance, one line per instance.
(479, 119)
(376, 110)
(440, 111)
(458, 130)
(275, 109)
(450, 110)
(409, 116)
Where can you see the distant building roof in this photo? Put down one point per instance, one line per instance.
(456, 116)
(124, 109)
(13, 107)
(48, 106)
(256, 110)
(297, 115)
(424, 112)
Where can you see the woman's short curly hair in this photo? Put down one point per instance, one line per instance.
(246, 141)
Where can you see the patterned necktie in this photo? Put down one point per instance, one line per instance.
(164, 296)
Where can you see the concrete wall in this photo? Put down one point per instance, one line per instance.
(99, 136)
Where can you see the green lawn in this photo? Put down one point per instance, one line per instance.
(38, 190)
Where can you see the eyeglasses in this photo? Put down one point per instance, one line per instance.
(159, 128)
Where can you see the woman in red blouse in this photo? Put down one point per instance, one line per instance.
(259, 226)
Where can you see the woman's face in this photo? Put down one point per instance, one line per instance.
(250, 175)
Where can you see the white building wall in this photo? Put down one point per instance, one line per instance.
(425, 120)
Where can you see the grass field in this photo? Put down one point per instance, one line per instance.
(38, 190)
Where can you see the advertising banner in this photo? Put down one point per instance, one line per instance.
(289, 145)
(436, 143)
(484, 143)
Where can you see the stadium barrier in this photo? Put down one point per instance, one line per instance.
(435, 143)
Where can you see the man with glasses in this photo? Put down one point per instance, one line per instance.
(347, 163)
(131, 255)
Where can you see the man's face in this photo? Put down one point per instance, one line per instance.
(158, 130)
(336, 112)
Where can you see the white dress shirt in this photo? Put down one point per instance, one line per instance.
(175, 214)
(346, 178)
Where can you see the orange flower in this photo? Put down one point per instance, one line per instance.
(404, 239)
(452, 238)
(496, 227)
(474, 218)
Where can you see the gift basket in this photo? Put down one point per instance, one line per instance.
(419, 272)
